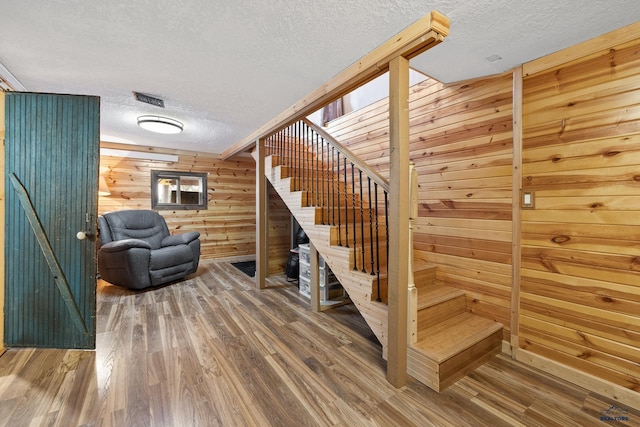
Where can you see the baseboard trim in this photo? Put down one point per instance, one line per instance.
(598, 385)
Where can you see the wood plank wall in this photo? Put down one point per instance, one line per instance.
(227, 227)
(461, 144)
(580, 288)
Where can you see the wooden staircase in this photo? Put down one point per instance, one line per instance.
(360, 286)
(450, 342)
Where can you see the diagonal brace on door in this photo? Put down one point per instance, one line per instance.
(50, 256)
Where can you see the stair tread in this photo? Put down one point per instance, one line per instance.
(446, 339)
(428, 297)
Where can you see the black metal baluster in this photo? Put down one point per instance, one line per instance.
(346, 206)
(386, 218)
(295, 155)
(309, 163)
(317, 169)
(285, 153)
(338, 196)
(325, 182)
(312, 169)
(322, 168)
(375, 187)
(292, 150)
(306, 166)
(292, 157)
(329, 174)
(287, 142)
(353, 207)
(290, 165)
(299, 156)
(362, 223)
(370, 224)
(333, 185)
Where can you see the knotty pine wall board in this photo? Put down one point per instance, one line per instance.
(580, 290)
(462, 146)
(227, 227)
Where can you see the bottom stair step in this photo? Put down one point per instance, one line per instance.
(448, 338)
(449, 350)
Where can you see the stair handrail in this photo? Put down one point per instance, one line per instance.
(357, 161)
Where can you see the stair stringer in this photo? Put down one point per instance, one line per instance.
(357, 284)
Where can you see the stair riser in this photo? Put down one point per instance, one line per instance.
(439, 376)
(437, 313)
(320, 186)
(323, 201)
(347, 215)
(339, 235)
(424, 278)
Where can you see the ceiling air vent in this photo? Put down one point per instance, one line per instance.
(147, 99)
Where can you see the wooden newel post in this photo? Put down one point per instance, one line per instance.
(398, 220)
(262, 245)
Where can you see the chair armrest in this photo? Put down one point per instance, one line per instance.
(180, 239)
(123, 245)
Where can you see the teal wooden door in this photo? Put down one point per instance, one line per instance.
(51, 175)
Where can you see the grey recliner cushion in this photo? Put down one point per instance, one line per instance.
(170, 256)
(170, 263)
(139, 224)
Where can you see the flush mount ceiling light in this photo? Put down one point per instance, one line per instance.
(159, 124)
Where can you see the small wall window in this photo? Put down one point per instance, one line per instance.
(172, 190)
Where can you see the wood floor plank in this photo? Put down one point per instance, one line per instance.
(213, 350)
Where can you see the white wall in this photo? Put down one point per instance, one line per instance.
(369, 93)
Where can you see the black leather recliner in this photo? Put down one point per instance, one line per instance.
(136, 250)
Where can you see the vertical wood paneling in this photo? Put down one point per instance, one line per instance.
(461, 143)
(227, 227)
(52, 148)
(580, 301)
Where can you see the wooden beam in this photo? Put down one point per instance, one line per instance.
(262, 244)
(415, 39)
(516, 214)
(315, 278)
(398, 220)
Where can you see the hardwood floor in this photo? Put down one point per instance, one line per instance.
(214, 351)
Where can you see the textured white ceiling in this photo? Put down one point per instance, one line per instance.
(224, 68)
